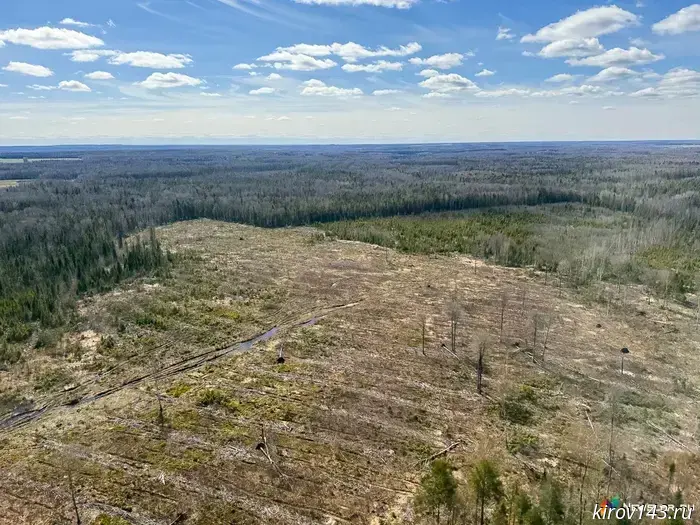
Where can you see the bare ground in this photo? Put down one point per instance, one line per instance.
(356, 407)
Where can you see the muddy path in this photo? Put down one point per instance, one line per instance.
(22, 417)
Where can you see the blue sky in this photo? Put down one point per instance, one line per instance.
(249, 71)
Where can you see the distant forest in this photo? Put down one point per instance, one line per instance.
(64, 227)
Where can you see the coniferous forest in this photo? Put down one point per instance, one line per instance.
(66, 226)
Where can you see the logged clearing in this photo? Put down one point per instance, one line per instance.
(340, 431)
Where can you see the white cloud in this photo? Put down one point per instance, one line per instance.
(592, 22)
(274, 76)
(678, 82)
(99, 75)
(449, 83)
(31, 70)
(39, 87)
(618, 57)
(613, 73)
(687, 19)
(283, 118)
(581, 47)
(376, 67)
(350, 51)
(646, 92)
(262, 91)
(503, 93)
(72, 22)
(73, 85)
(253, 73)
(639, 42)
(150, 60)
(385, 92)
(485, 73)
(297, 62)
(446, 61)
(111, 23)
(90, 56)
(399, 4)
(211, 95)
(436, 94)
(3, 85)
(427, 73)
(394, 108)
(169, 80)
(608, 108)
(315, 87)
(244, 66)
(19, 117)
(561, 77)
(504, 33)
(50, 38)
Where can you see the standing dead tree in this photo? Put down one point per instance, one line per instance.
(481, 347)
(454, 312)
(536, 319)
(504, 305)
(548, 321)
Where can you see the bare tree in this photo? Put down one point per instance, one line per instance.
(481, 347)
(504, 305)
(454, 313)
(71, 488)
(535, 326)
(423, 334)
(548, 321)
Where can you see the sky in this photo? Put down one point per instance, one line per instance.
(344, 71)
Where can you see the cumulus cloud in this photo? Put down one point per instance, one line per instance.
(210, 95)
(244, 66)
(169, 80)
(448, 83)
(427, 73)
(504, 33)
(561, 77)
(376, 67)
(73, 22)
(582, 47)
(575, 91)
(350, 51)
(316, 87)
(446, 61)
(297, 62)
(613, 73)
(687, 19)
(145, 59)
(31, 70)
(99, 75)
(274, 76)
(485, 73)
(618, 57)
(592, 22)
(150, 60)
(399, 4)
(91, 55)
(73, 85)
(262, 91)
(50, 38)
(678, 82)
(385, 92)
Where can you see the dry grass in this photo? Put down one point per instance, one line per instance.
(356, 405)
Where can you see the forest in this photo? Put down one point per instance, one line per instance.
(606, 211)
